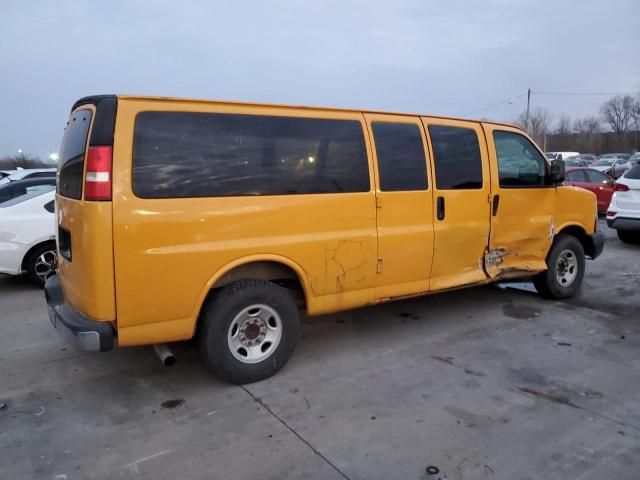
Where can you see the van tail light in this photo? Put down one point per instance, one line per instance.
(621, 187)
(97, 180)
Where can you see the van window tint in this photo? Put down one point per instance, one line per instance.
(520, 164)
(71, 163)
(183, 154)
(401, 158)
(457, 157)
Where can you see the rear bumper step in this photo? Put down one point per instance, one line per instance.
(76, 328)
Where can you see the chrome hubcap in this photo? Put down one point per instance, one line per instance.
(566, 268)
(254, 333)
(46, 265)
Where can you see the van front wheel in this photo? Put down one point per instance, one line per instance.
(565, 269)
(248, 330)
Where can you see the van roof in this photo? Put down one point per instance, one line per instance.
(301, 107)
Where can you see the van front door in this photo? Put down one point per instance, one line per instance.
(461, 202)
(523, 203)
(404, 212)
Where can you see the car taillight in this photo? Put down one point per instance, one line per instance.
(97, 180)
(620, 187)
(610, 213)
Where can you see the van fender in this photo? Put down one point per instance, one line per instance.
(590, 242)
(299, 271)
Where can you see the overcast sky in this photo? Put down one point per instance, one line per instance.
(447, 57)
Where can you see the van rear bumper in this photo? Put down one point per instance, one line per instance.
(76, 328)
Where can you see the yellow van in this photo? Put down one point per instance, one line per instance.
(221, 221)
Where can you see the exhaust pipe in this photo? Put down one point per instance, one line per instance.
(164, 354)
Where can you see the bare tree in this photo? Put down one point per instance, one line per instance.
(22, 160)
(564, 126)
(589, 131)
(618, 113)
(539, 123)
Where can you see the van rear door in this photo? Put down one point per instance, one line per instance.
(84, 213)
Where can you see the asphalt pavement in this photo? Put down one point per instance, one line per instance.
(491, 382)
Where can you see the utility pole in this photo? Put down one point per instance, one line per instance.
(526, 118)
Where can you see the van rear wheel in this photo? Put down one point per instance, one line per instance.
(565, 269)
(248, 330)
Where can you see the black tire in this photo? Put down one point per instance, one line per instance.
(547, 282)
(629, 236)
(219, 314)
(34, 268)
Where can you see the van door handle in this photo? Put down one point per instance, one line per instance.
(440, 208)
(496, 204)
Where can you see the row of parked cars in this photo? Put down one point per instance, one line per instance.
(615, 180)
(612, 164)
(27, 223)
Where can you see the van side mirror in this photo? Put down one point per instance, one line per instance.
(556, 175)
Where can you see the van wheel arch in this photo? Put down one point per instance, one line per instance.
(268, 270)
(580, 233)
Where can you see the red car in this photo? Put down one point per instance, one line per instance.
(594, 181)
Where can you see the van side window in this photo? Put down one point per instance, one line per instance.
(520, 164)
(457, 158)
(401, 159)
(185, 154)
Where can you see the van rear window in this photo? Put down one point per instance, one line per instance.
(74, 144)
(184, 154)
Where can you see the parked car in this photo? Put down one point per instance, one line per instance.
(560, 155)
(588, 157)
(612, 166)
(597, 182)
(635, 158)
(6, 173)
(624, 156)
(576, 162)
(19, 188)
(27, 234)
(29, 173)
(221, 220)
(623, 213)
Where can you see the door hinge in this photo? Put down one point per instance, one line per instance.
(379, 269)
(378, 202)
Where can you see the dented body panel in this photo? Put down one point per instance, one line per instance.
(522, 221)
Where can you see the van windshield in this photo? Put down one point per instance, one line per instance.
(74, 144)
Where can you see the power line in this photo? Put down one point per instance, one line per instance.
(536, 92)
(585, 93)
(509, 100)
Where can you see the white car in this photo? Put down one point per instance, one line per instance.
(612, 166)
(27, 234)
(560, 155)
(28, 173)
(623, 213)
